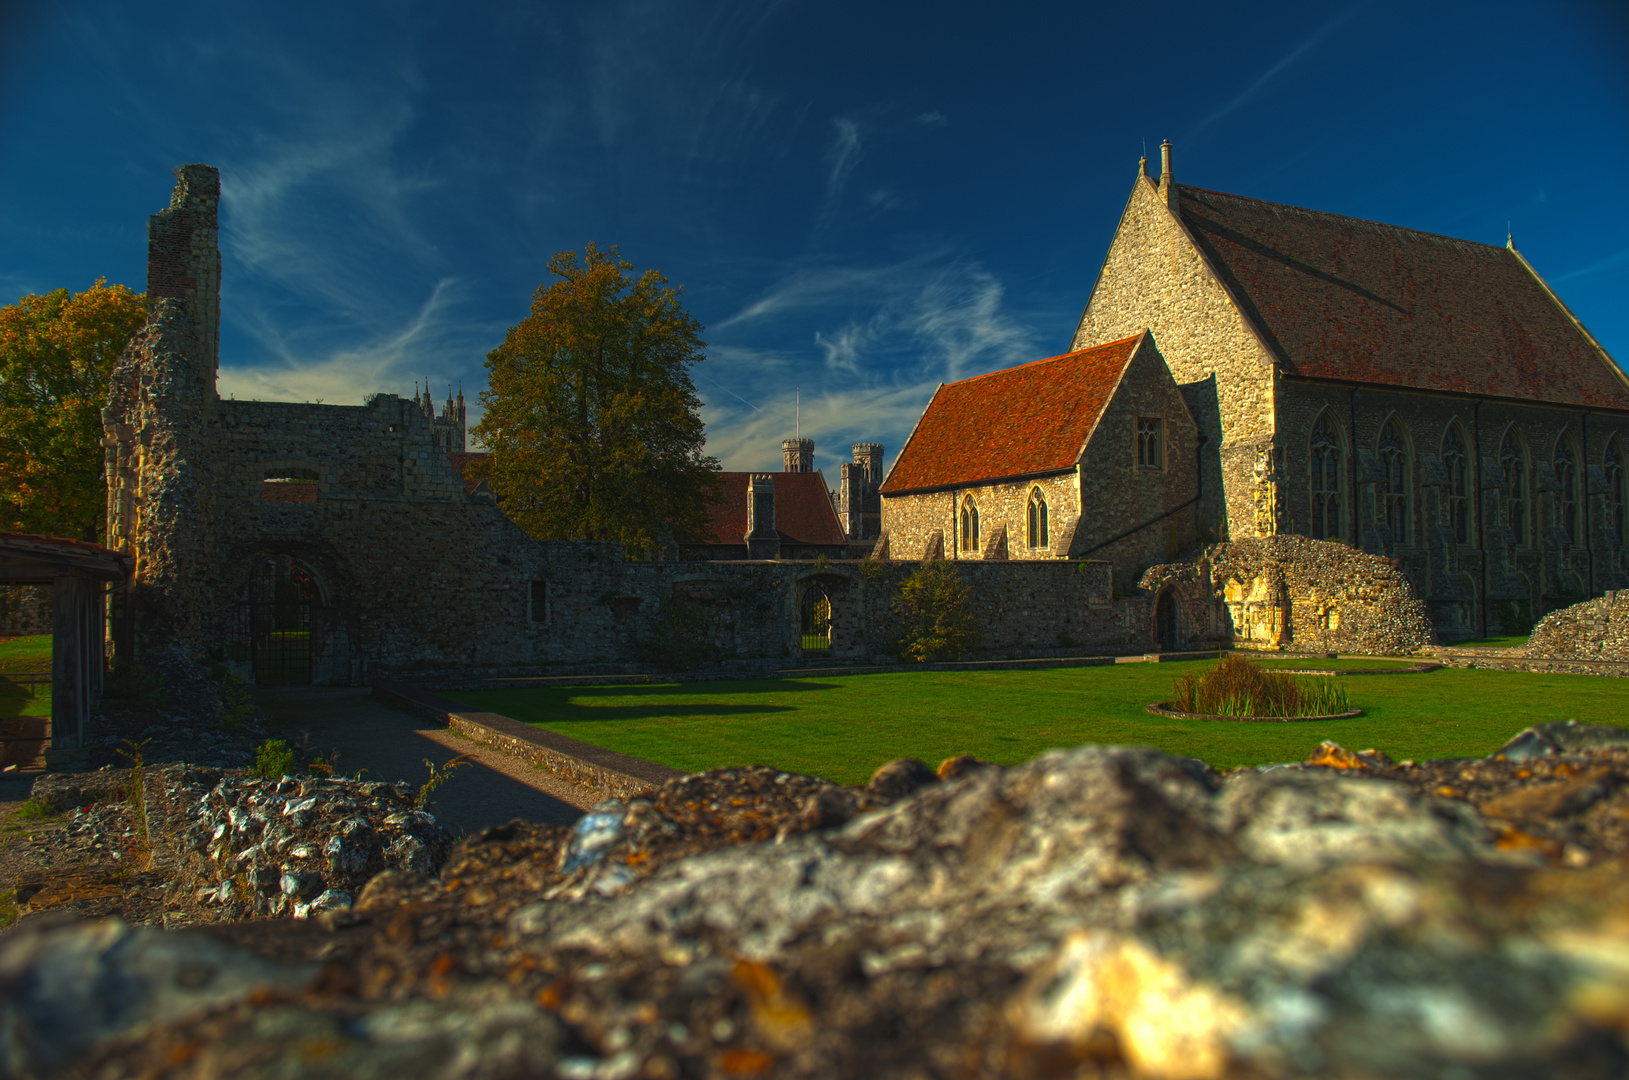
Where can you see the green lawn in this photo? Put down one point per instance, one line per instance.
(18, 656)
(1347, 663)
(1492, 643)
(843, 728)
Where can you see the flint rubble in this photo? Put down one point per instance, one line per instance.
(1097, 912)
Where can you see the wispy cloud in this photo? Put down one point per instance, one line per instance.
(1310, 43)
(1612, 263)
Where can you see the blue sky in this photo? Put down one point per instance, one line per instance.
(860, 199)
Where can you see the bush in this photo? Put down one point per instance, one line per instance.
(937, 608)
(132, 682)
(678, 640)
(1236, 687)
(273, 759)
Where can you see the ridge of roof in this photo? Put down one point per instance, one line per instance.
(1341, 217)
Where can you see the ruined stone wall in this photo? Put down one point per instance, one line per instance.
(1491, 580)
(1154, 278)
(1593, 630)
(1289, 592)
(26, 610)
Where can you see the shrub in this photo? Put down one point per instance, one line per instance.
(678, 637)
(1236, 687)
(273, 759)
(132, 682)
(936, 607)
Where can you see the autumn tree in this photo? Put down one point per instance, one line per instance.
(56, 353)
(591, 419)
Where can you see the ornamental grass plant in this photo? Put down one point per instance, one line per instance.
(1237, 687)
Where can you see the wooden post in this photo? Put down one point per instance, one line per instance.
(68, 692)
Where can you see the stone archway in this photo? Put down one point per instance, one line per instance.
(1166, 622)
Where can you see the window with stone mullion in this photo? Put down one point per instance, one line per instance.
(1325, 477)
(1037, 519)
(1515, 468)
(1394, 465)
(1613, 468)
(1566, 506)
(1457, 503)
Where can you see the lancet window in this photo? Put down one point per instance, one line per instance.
(1394, 466)
(1514, 463)
(1457, 502)
(1037, 519)
(1566, 504)
(970, 525)
(1326, 472)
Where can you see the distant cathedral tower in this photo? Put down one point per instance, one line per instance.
(449, 427)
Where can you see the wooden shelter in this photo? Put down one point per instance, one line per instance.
(80, 575)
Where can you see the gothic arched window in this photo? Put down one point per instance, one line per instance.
(1514, 463)
(1394, 465)
(970, 525)
(1457, 502)
(1566, 505)
(1325, 478)
(1613, 468)
(1037, 519)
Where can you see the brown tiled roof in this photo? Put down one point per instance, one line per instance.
(803, 510)
(1341, 298)
(1028, 419)
(461, 461)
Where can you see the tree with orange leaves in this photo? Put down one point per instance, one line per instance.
(56, 353)
(592, 420)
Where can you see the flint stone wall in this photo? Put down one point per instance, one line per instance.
(1594, 630)
(1289, 592)
(26, 610)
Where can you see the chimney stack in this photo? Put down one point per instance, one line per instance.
(798, 454)
(763, 542)
(1168, 190)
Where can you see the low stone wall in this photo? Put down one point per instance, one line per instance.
(1593, 630)
(25, 610)
(618, 775)
(1284, 592)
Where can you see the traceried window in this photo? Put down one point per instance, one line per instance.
(1514, 463)
(1151, 442)
(1456, 504)
(1613, 468)
(1037, 519)
(1326, 474)
(1394, 466)
(1566, 504)
(970, 525)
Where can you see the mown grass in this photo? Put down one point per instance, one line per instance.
(19, 656)
(843, 728)
(1492, 643)
(31, 653)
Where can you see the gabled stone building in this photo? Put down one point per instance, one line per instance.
(1086, 455)
(1418, 396)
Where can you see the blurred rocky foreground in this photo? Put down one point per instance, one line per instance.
(1097, 912)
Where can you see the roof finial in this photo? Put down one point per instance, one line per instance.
(1510, 236)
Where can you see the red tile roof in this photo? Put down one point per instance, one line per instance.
(1342, 298)
(803, 510)
(461, 461)
(1028, 419)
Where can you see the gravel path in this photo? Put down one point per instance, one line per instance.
(494, 788)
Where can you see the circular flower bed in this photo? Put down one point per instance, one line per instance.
(1163, 708)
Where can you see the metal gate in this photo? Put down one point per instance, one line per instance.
(274, 629)
(816, 621)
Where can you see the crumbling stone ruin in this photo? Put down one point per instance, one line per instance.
(1099, 912)
(1288, 592)
(1593, 630)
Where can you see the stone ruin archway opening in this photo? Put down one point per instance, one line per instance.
(1165, 622)
(275, 632)
(815, 619)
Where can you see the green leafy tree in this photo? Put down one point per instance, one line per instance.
(56, 353)
(936, 607)
(592, 421)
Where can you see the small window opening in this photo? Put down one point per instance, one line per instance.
(539, 610)
(1037, 519)
(970, 525)
(289, 486)
(1151, 442)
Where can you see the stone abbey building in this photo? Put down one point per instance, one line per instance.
(1419, 397)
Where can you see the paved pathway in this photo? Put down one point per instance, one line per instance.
(392, 745)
